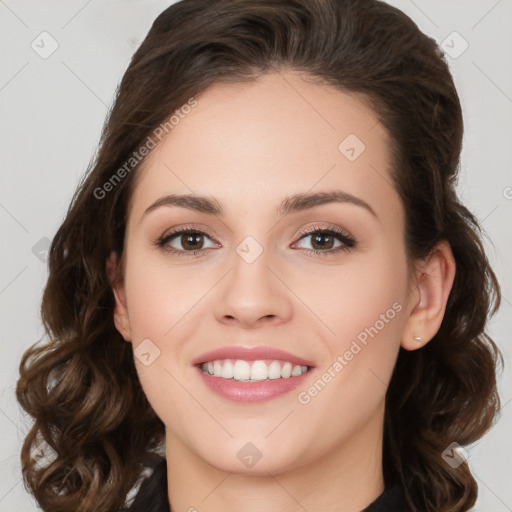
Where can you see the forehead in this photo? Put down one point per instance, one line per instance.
(249, 144)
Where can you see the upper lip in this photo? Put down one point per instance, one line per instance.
(250, 354)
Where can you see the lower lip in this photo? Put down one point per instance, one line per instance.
(252, 391)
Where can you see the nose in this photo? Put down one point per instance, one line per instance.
(253, 294)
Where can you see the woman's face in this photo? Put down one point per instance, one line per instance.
(336, 301)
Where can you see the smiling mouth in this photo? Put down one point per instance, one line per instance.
(252, 371)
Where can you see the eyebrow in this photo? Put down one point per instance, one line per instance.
(291, 204)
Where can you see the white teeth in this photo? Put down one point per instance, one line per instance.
(259, 370)
(286, 370)
(227, 370)
(241, 370)
(274, 370)
(297, 370)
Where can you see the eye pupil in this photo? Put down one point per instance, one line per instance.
(191, 239)
(317, 240)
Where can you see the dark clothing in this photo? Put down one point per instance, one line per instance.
(391, 500)
(152, 494)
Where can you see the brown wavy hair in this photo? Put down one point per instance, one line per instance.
(81, 386)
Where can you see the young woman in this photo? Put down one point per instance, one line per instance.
(267, 277)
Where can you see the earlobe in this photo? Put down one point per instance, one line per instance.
(434, 282)
(121, 318)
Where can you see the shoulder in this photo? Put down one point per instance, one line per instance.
(149, 493)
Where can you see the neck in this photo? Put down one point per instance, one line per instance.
(347, 478)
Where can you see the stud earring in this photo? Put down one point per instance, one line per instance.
(417, 339)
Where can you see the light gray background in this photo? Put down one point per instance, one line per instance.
(52, 111)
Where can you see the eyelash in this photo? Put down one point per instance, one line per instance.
(348, 242)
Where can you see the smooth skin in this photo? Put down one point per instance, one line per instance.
(249, 146)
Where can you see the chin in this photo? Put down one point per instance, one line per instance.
(254, 456)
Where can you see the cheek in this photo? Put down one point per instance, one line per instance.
(160, 296)
(161, 307)
(363, 305)
(367, 292)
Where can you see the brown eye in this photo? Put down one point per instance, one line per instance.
(184, 242)
(323, 241)
(191, 242)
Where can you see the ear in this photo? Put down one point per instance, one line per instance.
(434, 280)
(121, 318)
